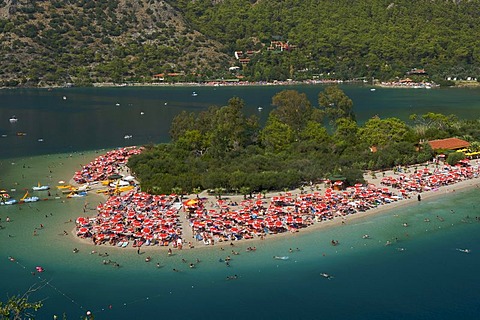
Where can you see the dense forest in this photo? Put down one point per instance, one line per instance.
(222, 150)
(80, 41)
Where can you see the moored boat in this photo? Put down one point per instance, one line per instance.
(13, 119)
(8, 201)
(40, 187)
(26, 198)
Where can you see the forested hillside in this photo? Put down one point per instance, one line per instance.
(83, 41)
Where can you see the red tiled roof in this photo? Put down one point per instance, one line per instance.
(448, 144)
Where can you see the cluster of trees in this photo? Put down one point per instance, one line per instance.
(222, 149)
(84, 41)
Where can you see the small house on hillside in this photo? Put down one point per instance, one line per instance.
(448, 144)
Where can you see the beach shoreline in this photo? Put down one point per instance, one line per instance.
(210, 200)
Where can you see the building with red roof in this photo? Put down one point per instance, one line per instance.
(448, 144)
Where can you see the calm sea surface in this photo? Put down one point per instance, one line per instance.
(421, 275)
(76, 119)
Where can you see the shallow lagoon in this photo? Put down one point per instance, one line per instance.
(428, 279)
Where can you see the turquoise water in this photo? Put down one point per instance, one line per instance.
(428, 279)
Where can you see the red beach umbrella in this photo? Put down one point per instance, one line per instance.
(83, 230)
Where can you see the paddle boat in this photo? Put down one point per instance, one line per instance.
(13, 119)
(4, 194)
(75, 194)
(39, 187)
(26, 198)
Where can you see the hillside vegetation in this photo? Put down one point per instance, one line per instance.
(82, 41)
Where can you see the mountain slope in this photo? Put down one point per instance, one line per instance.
(104, 40)
(84, 41)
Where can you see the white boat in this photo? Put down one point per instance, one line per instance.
(39, 187)
(85, 187)
(260, 108)
(366, 236)
(194, 94)
(128, 136)
(281, 257)
(31, 199)
(13, 119)
(76, 194)
(8, 201)
(373, 89)
(326, 275)
(464, 250)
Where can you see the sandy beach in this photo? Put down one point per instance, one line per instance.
(210, 202)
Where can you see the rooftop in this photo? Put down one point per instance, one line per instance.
(448, 144)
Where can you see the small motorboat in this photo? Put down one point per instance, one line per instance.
(128, 136)
(464, 250)
(194, 94)
(13, 119)
(281, 257)
(372, 89)
(7, 201)
(326, 275)
(39, 187)
(260, 108)
(365, 236)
